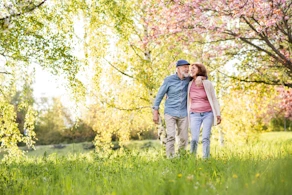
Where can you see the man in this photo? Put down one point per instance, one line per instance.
(175, 87)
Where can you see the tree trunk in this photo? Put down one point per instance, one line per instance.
(285, 119)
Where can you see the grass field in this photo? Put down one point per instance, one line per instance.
(262, 167)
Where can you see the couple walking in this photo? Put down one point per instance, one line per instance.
(191, 100)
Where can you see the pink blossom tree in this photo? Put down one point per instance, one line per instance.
(255, 32)
(286, 102)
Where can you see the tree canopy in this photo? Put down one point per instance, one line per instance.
(256, 33)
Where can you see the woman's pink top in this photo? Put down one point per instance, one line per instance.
(199, 100)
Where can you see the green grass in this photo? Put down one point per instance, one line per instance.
(276, 137)
(262, 167)
(76, 148)
(80, 148)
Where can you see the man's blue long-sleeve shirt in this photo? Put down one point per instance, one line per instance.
(176, 91)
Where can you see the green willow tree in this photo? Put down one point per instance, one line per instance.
(17, 111)
(34, 33)
(128, 69)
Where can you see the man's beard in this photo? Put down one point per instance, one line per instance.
(185, 75)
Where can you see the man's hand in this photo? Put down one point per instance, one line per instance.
(199, 80)
(155, 116)
(218, 120)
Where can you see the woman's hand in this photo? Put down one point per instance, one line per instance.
(219, 120)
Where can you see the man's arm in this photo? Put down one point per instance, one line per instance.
(162, 91)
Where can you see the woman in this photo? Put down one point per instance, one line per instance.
(203, 108)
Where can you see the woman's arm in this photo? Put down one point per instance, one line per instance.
(215, 103)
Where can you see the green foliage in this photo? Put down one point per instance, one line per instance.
(54, 124)
(244, 110)
(16, 111)
(280, 124)
(78, 133)
(129, 69)
(9, 133)
(33, 33)
(233, 169)
(29, 127)
(51, 122)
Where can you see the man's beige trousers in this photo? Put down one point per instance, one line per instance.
(171, 123)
